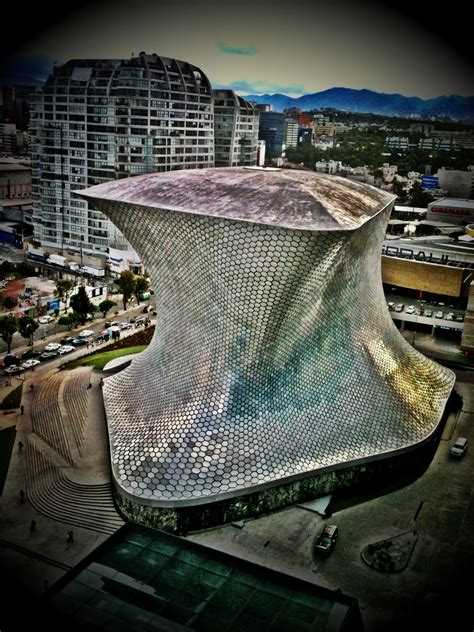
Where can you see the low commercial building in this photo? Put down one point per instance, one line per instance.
(453, 210)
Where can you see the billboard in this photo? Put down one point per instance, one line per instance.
(430, 182)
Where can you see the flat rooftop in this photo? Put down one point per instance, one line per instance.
(142, 579)
(287, 198)
(452, 203)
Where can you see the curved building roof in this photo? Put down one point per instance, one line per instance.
(288, 198)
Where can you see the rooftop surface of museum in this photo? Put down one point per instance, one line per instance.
(286, 198)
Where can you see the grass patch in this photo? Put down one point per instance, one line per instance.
(13, 399)
(99, 360)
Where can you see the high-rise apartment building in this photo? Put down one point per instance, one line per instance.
(99, 120)
(235, 130)
(291, 132)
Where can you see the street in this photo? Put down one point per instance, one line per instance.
(52, 332)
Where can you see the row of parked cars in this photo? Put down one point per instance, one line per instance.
(427, 312)
(32, 358)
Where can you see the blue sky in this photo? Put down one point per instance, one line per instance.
(293, 48)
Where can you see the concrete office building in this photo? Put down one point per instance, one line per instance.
(235, 130)
(272, 131)
(275, 373)
(99, 120)
(15, 202)
(458, 184)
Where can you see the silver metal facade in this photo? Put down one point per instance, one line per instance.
(274, 355)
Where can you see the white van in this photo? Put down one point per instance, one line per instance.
(459, 447)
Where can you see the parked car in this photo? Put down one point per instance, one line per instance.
(326, 540)
(411, 309)
(79, 342)
(459, 318)
(390, 305)
(53, 346)
(439, 314)
(125, 326)
(428, 313)
(86, 333)
(66, 340)
(65, 349)
(44, 320)
(29, 364)
(14, 368)
(30, 354)
(48, 355)
(450, 316)
(145, 309)
(459, 447)
(399, 307)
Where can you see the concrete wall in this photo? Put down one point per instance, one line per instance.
(467, 340)
(417, 275)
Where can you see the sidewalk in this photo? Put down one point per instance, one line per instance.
(34, 559)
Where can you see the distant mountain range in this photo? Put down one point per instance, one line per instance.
(455, 107)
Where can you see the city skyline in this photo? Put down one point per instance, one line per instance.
(295, 50)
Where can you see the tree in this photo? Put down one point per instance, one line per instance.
(27, 327)
(9, 302)
(81, 304)
(8, 326)
(70, 321)
(398, 190)
(126, 283)
(418, 197)
(141, 286)
(106, 305)
(10, 360)
(63, 291)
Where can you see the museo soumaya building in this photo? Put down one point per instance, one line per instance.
(275, 373)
